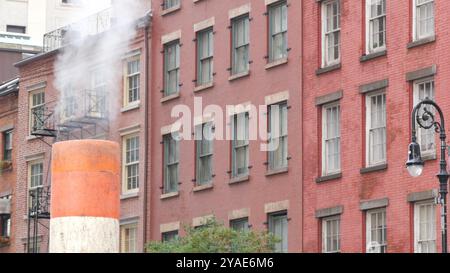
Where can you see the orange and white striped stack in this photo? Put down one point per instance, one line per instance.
(85, 197)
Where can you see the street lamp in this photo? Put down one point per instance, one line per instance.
(415, 164)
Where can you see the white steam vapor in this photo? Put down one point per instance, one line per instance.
(91, 63)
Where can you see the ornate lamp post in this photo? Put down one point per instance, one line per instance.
(415, 164)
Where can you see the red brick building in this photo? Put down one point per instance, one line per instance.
(89, 115)
(226, 53)
(363, 73)
(340, 77)
(8, 167)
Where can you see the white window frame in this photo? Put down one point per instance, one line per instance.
(201, 136)
(29, 178)
(369, 239)
(168, 4)
(416, 95)
(167, 163)
(244, 145)
(32, 107)
(129, 77)
(325, 61)
(369, 28)
(369, 128)
(125, 175)
(205, 36)
(281, 4)
(282, 246)
(281, 137)
(415, 5)
(325, 169)
(417, 225)
(7, 146)
(96, 97)
(235, 23)
(125, 243)
(167, 70)
(325, 246)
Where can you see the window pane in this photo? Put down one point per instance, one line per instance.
(278, 226)
(278, 31)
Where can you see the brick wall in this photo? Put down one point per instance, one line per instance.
(40, 71)
(394, 182)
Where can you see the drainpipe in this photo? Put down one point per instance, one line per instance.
(146, 127)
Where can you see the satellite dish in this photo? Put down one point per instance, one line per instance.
(373, 247)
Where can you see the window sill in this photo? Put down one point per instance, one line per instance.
(276, 63)
(328, 178)
(238, 180)
(377, 168)
(203, 87)
(421, 42)
(130, 107)
(239, 76)
(203, 188)
(429, 157)
(327, 69)
(373, 55)
(170, 195)
(277, 172)
(127, 196)
(170, 97)
(30, 138)
(170, 10)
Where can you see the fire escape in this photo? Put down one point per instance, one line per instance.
(83, 115)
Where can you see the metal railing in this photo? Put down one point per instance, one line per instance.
(92, 25)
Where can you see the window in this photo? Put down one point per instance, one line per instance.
(205, 51)
(128, 238)
(376, 128)
(423, 12)
(375, 25)
(240, 144)
(240, 44)
(278, 226)
(7, 145)
(278, 128)
(132, 81)
(171, 162)
(131, 163)
(425, 227)
(278, 25)
(97, 95)
(376, 231)
(16, 29)
(331, 139)
(37, 108)
(35, 179)
(331, 234)
(171, 68)
(331, 32)
(5, 221)
(170, 236)
(426, 138)
(171, 3)
(70, 107)
(204, 146)
(239, 224)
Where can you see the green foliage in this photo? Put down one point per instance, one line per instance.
(214, 237)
